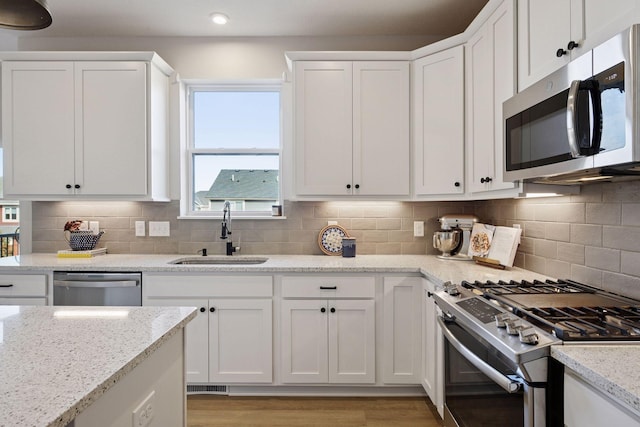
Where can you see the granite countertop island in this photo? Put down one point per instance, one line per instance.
(57, 361)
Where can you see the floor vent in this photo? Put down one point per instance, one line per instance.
(207, 389)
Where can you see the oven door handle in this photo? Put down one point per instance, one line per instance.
(508, 384)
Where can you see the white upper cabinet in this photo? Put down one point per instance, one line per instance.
(351, 128)
(438, 123)
(553, 32)
(84, 129)
(490, 76)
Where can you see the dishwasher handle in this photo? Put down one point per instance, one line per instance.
(508, 384)
(96, 283)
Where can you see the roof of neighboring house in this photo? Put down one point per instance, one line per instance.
(200, 198)
(245, 184)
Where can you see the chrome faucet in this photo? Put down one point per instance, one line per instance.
(226, 228)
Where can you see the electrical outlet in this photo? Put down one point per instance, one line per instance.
(332, 222)
(418, 228)
(140, 229)
(94, 226)
(143, 414)
(159, 228)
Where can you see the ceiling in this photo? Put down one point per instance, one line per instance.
(184, 18)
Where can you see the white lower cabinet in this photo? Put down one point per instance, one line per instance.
(23, 289)
(432, 349)
(584, 405)
(402, 330)
(325, 339)
(230, 341)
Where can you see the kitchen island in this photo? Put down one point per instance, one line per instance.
(83, 366)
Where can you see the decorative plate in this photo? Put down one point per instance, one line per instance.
(330, 239)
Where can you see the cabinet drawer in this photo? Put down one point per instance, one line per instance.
(15, 285)
(23, 301)
(328, 287)
(206, 286)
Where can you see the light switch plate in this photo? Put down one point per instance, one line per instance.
(94, 226)
(332, 222)
(418, 228)
(140, 229)
(159, 228)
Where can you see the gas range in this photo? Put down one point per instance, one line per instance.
(569, 310)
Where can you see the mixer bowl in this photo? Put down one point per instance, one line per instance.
(446, 241)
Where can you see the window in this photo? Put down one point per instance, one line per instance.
(234, 148)
(10, 214)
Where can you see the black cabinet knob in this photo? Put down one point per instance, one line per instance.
(333, 310)
(202, 309)
(76, 186)
(560, 53)
(456, 184)
(481, 180)
(485, 179)
(357, 186)
(572, 45)
(68, 185)
(212, 309)
(322, 310)
(348, 186)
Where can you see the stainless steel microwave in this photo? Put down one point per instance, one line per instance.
(580, 123)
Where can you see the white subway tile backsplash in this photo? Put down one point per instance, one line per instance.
(571, 252)
(627, 238)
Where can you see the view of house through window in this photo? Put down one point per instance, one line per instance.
(9, 222)
(234, 148)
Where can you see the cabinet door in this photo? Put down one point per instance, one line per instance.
(603, 20)
(584, 405)
(490, 81)
(544, 26)
(438, 90)
(352, 341)
(402, 330)
(323, 127)
(240, 344)
(432, 350)
(196, 337)
(501, 27)
(381, 128)
(111, 130)
(480, 120)
(38, 128)
(304, 341)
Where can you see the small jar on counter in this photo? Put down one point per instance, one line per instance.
(348, 247)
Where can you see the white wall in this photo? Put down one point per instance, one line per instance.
(225, 57)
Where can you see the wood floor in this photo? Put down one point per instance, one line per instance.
(211, 410)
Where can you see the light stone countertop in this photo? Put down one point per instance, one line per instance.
(609, 368)
(430, 266)
(53, 367)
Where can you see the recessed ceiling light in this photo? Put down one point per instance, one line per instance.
(219, 18)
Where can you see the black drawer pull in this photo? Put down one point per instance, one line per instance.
(328, 288)
(202, 309)
(7, 286)
(333, 310)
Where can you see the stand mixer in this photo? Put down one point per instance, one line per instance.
(453, 237)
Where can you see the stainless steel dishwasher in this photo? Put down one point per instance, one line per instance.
(97, 288)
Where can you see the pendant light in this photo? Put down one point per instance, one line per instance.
(24, 14)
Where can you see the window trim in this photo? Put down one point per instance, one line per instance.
(4, 214)
(189, 151)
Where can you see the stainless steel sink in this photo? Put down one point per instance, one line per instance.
(219, 260)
